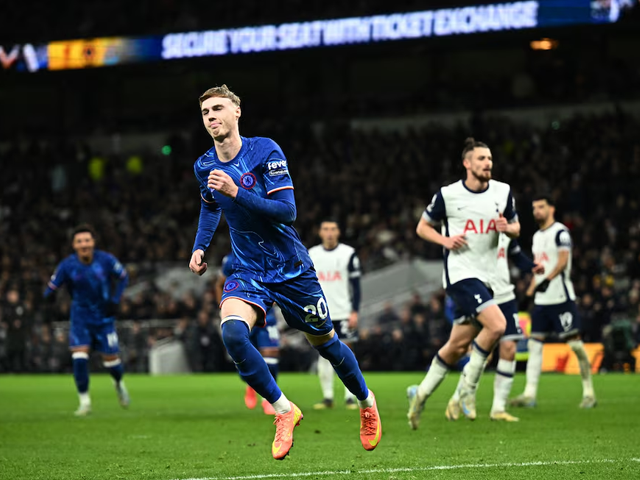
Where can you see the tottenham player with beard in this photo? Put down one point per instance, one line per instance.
(473, 213)
(338, 269)
(554, 303)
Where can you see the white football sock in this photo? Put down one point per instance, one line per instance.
(282, 405)
(456, 395)
(367, 402)
(474, 368)
(85, 399)
(325, 372)
(585, 367)
(534, 368)
(434, 377)
(502, 384)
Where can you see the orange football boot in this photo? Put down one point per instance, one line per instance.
(370, 426)
(250, 398)
(285, 423)
(267, 408)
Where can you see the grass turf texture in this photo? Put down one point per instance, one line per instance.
(198, 427)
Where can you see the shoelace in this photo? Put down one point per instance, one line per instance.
(280, 423)
(369, 423)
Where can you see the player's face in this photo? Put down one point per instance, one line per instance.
(541, 211)
(329, 233)
(219, 116)
(479, 163)
(83, 244)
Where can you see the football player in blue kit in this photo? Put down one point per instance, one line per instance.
(248, 179)
(266, 340)
(88, 274)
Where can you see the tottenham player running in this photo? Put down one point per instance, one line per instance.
(88, 274)
(473, 213)
(504, 296)
(266, 340)
(554, 303)
(338, 269)
(249, 179)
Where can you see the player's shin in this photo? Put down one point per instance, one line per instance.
(585, 367)
(438, 370)
(534, 368)
(273, 363)
(116, 369)
(502, 384)
(346, 366)
(473, 370)
(81, 376)
(250, 365)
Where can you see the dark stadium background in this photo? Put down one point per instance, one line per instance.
(87, 145)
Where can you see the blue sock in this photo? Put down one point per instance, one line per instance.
(81, 371)
(346, 366)
(273, 364)
(116, 369)
(250, 364)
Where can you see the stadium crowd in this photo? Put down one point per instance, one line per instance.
(376, 183)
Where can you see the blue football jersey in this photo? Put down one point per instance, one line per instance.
(90, 285)
(268, 251)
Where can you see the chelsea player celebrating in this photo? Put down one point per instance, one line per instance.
(249, 179)
(88, 274)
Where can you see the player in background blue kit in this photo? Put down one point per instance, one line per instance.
(88, 275)
(266, 340)
(248, 179)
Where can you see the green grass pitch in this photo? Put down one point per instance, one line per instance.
(197, 427)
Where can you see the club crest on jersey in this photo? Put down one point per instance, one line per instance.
(480, 226)
(230, 286)
(248, 180)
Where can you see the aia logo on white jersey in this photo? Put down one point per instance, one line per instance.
(480, 226)
(329, 276)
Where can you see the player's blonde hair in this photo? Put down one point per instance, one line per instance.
(223, 92)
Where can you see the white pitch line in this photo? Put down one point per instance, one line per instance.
(408, 469)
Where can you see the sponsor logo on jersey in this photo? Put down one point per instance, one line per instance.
(248, 180)
(541, 257)
(329, 276)
(501, 253)
(277, 167)
(480, 226)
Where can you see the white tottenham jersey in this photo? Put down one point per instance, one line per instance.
(335, 268)
(472, 214)
(547, 244)
(501, 282)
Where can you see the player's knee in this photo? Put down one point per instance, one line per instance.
(508, 350)
(235, 336)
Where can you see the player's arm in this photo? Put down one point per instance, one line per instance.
(280, 204)
(210, 213)
(122, 276)
(520, 260)
(507, 222)
(532, 287)
(58, 279)
(432, 216)
(356, 290)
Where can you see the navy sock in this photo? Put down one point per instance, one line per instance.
(273, 364)
(81, 371)
(250, 364)
(116, 369)
(346, 366)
